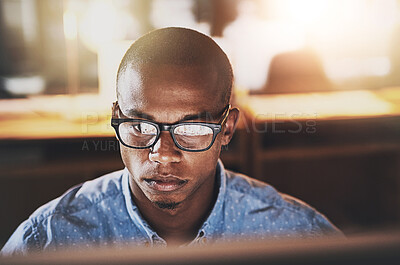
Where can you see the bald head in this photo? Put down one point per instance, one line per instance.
(180, 47)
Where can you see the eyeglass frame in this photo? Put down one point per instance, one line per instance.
(216, 128)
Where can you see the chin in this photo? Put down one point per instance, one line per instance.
(164, 205)
(159, 196)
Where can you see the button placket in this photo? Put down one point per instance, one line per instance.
(158, 241)
(202, 238)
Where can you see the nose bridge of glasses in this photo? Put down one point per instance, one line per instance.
(164, 141)
(165, 127)
(164, 149)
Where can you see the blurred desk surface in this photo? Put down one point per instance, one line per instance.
(324, 105)
(30, 128)
(326, 124)
(55, 117)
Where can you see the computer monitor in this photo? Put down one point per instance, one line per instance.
(382, 248)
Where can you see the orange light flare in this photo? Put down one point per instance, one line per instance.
(326, 105)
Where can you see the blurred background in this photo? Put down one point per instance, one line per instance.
(318, 83)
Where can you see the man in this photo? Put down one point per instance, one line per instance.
(172, 117)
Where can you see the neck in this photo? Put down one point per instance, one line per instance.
(180, 224)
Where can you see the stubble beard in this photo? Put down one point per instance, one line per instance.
(167, 205)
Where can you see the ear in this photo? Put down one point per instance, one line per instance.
(115, 110)
(115, 114)
(230, 126)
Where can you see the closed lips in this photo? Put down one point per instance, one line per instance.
(165, 183)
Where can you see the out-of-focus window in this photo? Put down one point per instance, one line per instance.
(72, 46)
(356, 41)
(33, 51)
(52, 46)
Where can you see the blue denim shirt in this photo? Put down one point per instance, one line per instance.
(101, 212)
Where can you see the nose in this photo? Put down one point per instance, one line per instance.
(165, 151)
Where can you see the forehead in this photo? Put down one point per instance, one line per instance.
(169, 91)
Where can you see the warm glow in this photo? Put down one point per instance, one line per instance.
(70, 25)
(338, 29)
(253, 42)
(353, 38)
(103, 23)
(304, 12)
(349, 67)
(109, 57)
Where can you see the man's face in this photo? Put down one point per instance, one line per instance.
(164, 174)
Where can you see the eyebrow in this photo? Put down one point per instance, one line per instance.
(138, 114)
(202, 115)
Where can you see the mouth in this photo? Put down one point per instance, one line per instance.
(165, 184)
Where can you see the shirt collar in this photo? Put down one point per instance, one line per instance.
(132, 209)
(216, 216)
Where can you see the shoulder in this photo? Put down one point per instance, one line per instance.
(82, 196)
(256, 192)
(32, 234)
(263, 202)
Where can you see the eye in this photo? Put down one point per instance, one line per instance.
(193, 130)
(144, 129)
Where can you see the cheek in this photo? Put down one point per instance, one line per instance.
(205, 162)
(134, 159)
(216, 147)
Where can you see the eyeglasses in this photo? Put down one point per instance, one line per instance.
(187, 136)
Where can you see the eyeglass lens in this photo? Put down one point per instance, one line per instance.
(188, 136)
